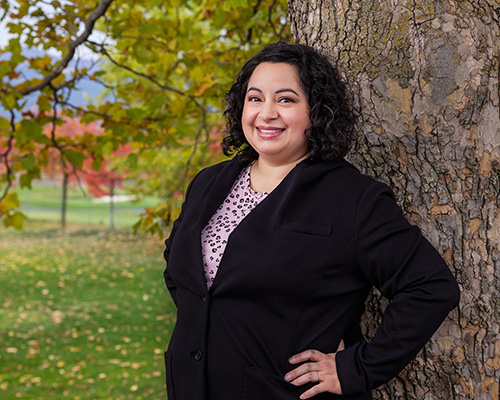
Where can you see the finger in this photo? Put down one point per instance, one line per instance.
(312, 355)
(316, 389)
(309, 370)
(305, 378)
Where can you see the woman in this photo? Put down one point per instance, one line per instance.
(276, 250)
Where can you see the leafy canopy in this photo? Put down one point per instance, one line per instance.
(163, 66)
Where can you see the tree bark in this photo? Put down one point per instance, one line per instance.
(425, 76)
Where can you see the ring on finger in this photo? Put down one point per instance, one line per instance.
(319, 376)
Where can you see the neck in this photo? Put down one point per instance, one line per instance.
(266, 175)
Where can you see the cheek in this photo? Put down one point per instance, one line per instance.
(247, 117)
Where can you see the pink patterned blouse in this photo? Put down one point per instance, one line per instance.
(240, 201)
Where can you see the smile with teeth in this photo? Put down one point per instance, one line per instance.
(269, 133)
(270, 130)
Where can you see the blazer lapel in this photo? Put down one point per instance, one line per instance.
(220, 187)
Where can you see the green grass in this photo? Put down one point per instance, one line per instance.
(83, 314)
(44, 203)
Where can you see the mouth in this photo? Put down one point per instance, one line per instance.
(270, 132)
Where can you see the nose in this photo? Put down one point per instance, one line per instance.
(269, 111)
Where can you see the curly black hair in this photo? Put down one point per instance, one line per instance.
(332, 116)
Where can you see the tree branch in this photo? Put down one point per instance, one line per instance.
(154, 81)
(56, 145)
(148, 77)
(5, 156)
(89, 26)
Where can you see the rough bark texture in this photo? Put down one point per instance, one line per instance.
(425, 74)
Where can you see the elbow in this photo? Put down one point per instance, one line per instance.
(455, 294)
(449, 294)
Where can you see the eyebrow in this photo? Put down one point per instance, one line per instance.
(277, 91)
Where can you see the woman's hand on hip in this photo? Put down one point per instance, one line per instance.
(317, 367)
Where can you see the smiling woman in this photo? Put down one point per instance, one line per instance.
(276, 250)
(276, 116)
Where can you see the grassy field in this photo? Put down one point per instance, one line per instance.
(44, 203)
(84, 314)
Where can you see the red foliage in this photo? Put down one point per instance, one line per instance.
(99, 183)
(104, 181)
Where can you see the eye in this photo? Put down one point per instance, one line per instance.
(253, 99)
(286, 100)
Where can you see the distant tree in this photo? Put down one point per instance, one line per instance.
(70, 133)
(105, 180)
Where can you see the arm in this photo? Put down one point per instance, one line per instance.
(404, 266)
(171, 286)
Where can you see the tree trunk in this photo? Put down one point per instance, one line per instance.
(64, 200)
(112, 205)
(425, 76)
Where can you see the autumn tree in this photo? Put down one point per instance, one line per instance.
(106, 179)
(58, 167)
(425, 76)
(165, 66)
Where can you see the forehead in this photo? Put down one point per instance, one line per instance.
(275, 75)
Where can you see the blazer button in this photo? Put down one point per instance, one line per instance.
(198, 355)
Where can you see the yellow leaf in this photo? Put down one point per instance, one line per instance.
(202, 89)
(11, 200)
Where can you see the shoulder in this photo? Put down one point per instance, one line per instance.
(344, 174)
(215, 170)
(220, 174)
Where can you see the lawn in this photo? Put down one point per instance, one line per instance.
(84, 314)
(43, 202)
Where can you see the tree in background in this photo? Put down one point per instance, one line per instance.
(165, 66)
(70, 133)
(425, 75)
(104, 181)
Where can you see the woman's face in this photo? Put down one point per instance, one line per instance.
(276, 113)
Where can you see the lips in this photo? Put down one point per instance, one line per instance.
(268, 132)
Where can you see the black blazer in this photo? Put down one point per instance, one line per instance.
(294, 276)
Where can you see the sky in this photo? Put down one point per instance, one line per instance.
(4, 39)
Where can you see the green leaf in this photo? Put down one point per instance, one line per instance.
(23, 9)
(9, 101)
(148, 155)
(141, 53)
(4, 124)
(258, 17)
(136, 115)
(25, 180)
(4, 68)
(108, 148)
(132, 159)
(17, 220)
(148, 29)
(74, 157)
(96, 163)
(30, 130)
(15, 49)
(29, 162)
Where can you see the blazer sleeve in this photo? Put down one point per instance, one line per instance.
(171, 286)
(404, 266)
